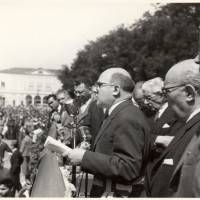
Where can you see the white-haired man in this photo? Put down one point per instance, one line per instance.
(121, 146)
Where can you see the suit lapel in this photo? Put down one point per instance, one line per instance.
(165, 117)
(63, 117)
(184, 154)
(109, 119)
(82, 115)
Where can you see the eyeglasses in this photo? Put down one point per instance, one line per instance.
(78, 92)
(100, 85)
(167, 91)
(150, 97)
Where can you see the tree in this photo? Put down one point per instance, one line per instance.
(147, 49)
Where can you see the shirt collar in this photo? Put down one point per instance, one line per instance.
(84, 106)
(114, 106)
(162, 109)
(134, 102)
(193, 114)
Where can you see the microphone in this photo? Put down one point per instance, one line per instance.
(85, 133)
(71, 107)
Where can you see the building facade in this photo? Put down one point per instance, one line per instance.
(27, 86)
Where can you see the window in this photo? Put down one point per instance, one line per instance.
(48, 87)
(31, 86)
(2, 84)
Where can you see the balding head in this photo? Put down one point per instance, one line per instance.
(118, 76)
(185, 72)
(182, 88)
(114, 85)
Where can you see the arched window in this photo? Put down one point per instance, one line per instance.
(37, 100)
(28, 100)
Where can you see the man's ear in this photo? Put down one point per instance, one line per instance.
(190, 92)
(116, 90)
(90, 89)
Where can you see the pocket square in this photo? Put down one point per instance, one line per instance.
(168, 161)
(166, 126)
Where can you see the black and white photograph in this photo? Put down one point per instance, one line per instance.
(99, 99)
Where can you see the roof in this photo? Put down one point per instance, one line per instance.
(18, 70)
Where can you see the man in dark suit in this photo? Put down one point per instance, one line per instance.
(3, 148)
(163, 120)
(120, 149)
(173, 173)
(90, 114)
(63, 127)
(16, 160)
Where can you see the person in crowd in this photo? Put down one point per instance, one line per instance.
(121, 147)
(63, 128)
(16, 160)
(22, 133)
(138, 98)
(2, 122)
(25, 149)
(90, 114)
(25, 190)
(163, 120)
(174, 172)
(55, 106)
(6, 188)
(11, 134)
(37, 131)
(3, 148)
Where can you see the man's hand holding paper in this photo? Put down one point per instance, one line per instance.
(75, 156)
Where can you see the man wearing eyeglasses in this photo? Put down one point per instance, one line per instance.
(120, 149)
(179, 162)
(164, 122)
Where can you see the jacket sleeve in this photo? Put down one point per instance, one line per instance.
(125, 161)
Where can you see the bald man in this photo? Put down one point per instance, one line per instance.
(120, 149)
(178, 162)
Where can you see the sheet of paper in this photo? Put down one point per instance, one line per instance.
(56, 146)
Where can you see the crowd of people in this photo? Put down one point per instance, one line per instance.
(126, 139)
(21, 129)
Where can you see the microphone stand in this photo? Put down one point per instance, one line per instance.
(73, 111)
(74, 129)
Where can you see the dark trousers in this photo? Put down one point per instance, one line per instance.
(16, 181)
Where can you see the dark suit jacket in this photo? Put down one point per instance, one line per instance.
(66, 120)
(185, 178)
(92, 117)
(16, 161)
(121, 146)
(162, 127)
(161, 174)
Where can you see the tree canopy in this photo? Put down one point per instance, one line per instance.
(147, 48)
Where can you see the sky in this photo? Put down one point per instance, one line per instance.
(49, 33)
